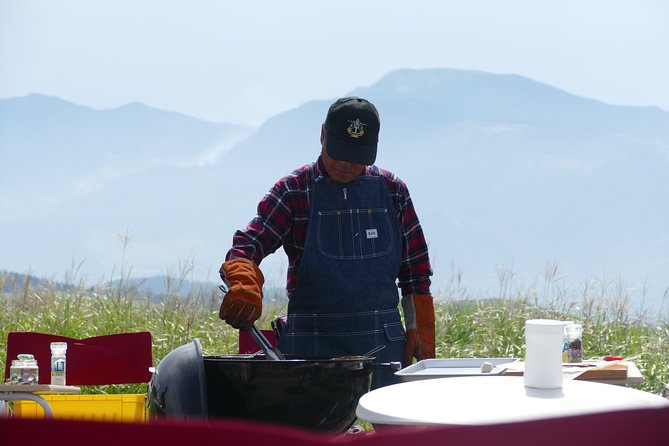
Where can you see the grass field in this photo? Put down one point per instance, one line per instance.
(469, 327)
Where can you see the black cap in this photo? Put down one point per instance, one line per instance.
(352, 131)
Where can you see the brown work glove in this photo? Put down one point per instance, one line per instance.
(419, 319)
(242, 305)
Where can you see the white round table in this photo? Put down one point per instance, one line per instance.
(492, 400)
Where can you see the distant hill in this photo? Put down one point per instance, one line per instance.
(11, 282)
(511, 178)
(42, 132)
(155, 288)
(15, 282)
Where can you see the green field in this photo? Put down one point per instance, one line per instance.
(466, 327)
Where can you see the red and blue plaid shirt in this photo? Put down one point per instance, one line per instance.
(283, 216)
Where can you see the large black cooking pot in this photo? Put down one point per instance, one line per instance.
(320, 394)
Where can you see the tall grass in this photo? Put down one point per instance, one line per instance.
(466, 326)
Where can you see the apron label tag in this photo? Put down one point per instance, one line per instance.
(371, 233)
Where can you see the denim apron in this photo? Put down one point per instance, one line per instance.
(346, 298)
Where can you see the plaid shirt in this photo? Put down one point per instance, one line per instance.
(283, 216)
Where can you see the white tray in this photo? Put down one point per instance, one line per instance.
(449, 367)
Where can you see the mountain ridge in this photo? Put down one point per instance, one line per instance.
(496, 184)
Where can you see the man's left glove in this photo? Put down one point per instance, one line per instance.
(242, 305)
(419, 319)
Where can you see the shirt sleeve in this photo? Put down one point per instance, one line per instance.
(266, 232)
(415, 269)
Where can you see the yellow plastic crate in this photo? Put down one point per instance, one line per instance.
(120, 407)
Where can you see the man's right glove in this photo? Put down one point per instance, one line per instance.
(419, 319)
(242, 305)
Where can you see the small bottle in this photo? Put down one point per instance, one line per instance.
(575, 339)
(23, 370)
(58, 364)
(565, 342)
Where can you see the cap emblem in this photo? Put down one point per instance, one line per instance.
(356, 128)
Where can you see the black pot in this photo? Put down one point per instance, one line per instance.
(319, 394)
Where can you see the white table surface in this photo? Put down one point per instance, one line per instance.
(494, 399)
(32, 392)
(38, 388)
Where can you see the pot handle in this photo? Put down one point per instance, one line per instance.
(393, 365)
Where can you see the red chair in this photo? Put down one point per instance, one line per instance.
(101, 360)
(247, 345)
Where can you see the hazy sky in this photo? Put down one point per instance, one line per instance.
(244, 61)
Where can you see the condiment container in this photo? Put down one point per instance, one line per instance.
(23, 370)
(58, 364)
(543, 353)
(565, 345)
(575, 343)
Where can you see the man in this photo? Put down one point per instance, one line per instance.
(352, 238)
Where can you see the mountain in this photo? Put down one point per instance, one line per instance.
(56, 151)
(17, 283)
(512, 179)
(56, 131)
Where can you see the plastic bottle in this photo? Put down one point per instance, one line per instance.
(58, 363)
(575, 339)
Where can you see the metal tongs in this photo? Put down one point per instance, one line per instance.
(270, 351)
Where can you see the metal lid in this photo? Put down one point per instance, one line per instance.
(178, 386)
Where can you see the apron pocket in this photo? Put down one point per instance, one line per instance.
(354, 233)
(394, 331)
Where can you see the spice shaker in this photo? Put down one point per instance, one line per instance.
(58, 365)
(575, 343)
(565, 343)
